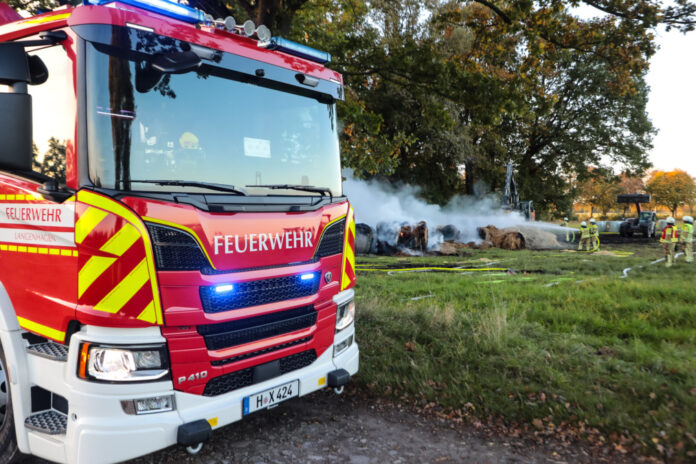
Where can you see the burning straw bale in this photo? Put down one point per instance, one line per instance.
(506, 239)
(520, 237)
(414, 237)
(402, 238)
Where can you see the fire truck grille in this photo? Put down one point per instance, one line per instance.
(260, 352)
(175, 250)
(332, 239)
(226, 334)
(245, 377)
(258, 292)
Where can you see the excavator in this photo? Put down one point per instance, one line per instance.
(511, 196)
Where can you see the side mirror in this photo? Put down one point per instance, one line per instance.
(16, 134)
(14, 64)
(52, 191)
(15, 109)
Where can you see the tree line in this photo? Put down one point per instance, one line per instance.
(669, 189)
(436, 85)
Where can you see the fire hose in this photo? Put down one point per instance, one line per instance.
(596, 237)
(433, 268)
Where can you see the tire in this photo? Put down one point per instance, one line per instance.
(9, 453)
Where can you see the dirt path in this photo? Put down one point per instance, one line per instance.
(324, 428)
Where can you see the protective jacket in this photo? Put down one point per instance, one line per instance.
(594, 230)
(669, 234)
(584, 232)
(687, 233)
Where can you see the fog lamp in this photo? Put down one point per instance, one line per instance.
(339, 347)
(150, 405)
(345, 314)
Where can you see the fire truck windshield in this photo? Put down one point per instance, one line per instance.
(210, 125)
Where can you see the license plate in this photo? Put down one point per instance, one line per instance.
(271, 397)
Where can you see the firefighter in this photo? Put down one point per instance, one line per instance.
(565, 224)
(584, 237)
(686, 238)
(669, 239)
(594, 234)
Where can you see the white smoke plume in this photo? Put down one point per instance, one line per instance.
(376, 202)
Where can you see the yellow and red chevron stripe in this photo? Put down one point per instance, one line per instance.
(348, 272)
(116, 265)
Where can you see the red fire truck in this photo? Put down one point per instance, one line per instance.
(176, 251)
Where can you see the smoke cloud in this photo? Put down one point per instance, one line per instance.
(376, 202)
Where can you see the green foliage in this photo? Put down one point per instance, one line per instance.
(568, 341)
(600, 190)
(53, 162)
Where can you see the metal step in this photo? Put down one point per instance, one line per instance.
(49, 350)
(51, 422)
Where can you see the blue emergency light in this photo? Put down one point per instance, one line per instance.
(297, 49)
(224, 288)
(163, 7)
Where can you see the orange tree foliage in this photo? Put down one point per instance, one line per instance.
(671, 189)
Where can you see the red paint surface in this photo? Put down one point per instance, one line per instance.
(180, 290)
(42, 288)
(7, 14)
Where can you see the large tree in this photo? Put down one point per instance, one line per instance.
(600, 191)
(671, 189)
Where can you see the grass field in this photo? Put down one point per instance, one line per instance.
(563, 343)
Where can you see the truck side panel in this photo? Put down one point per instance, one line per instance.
(38, 259)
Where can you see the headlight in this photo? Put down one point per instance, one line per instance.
(115, 363)
(345, 314)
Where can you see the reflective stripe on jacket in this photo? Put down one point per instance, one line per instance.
(687, 233)
(669, 234)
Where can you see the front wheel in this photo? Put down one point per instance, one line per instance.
(9, 453)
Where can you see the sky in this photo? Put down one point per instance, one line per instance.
(672, 102)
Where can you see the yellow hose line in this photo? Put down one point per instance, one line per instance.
(594, 249)
(447, 269)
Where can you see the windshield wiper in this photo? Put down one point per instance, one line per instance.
(303, 188)
(191, 183)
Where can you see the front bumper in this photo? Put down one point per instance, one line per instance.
(99, 431)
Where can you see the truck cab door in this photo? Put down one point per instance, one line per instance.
(38, 258)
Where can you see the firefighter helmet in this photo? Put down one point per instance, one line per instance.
(592, 221)
(565, 219)
(583, 224)
(688, 219)
(670, 220)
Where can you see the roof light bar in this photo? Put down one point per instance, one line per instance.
(163, 7)
(297, 49)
